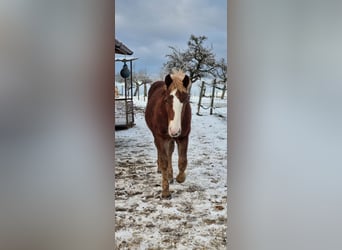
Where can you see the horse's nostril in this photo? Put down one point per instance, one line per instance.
(176, 133)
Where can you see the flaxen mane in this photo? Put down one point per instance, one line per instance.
(177, 81)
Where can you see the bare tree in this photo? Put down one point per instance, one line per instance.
(198, 60)
(141, 78)
(176, 60)
(221, 74)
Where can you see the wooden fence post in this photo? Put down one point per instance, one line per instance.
(212, 97)
(145, 90)
(224, 90)
(200, 98)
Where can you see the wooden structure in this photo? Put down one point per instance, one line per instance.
(122, 49)
(124, 109)
(124, 112)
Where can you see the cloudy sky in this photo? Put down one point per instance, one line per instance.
(149, 27)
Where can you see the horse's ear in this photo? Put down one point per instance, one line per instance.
(186, 81)
(168, 80)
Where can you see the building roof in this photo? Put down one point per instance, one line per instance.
(121, 48)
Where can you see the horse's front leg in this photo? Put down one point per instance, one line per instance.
(182, 158)
(163, 166)
(170, 150)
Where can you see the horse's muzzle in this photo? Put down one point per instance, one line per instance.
(174, 134)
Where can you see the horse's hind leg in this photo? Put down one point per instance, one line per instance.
(158, 163)
(169, 161)
(182, 159)
(158, 159)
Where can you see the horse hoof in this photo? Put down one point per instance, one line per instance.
(158, 171)
(171, 180)
(180, 178)
(166, 197)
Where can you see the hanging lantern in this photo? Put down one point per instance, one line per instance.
(125, 71)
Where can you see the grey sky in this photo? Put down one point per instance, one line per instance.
(149, 27)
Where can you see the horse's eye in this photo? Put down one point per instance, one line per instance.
(168, 99)
(185, 100)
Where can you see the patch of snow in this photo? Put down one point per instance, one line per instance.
(196, 216)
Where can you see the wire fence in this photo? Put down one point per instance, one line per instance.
(214, 87)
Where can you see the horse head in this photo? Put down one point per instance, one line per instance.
(176, 98)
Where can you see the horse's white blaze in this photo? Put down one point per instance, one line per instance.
(175, 124)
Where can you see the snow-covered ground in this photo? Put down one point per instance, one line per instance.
(196, 216)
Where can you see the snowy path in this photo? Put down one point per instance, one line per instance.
(196, 216)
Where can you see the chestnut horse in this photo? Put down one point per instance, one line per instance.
(168, 116)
